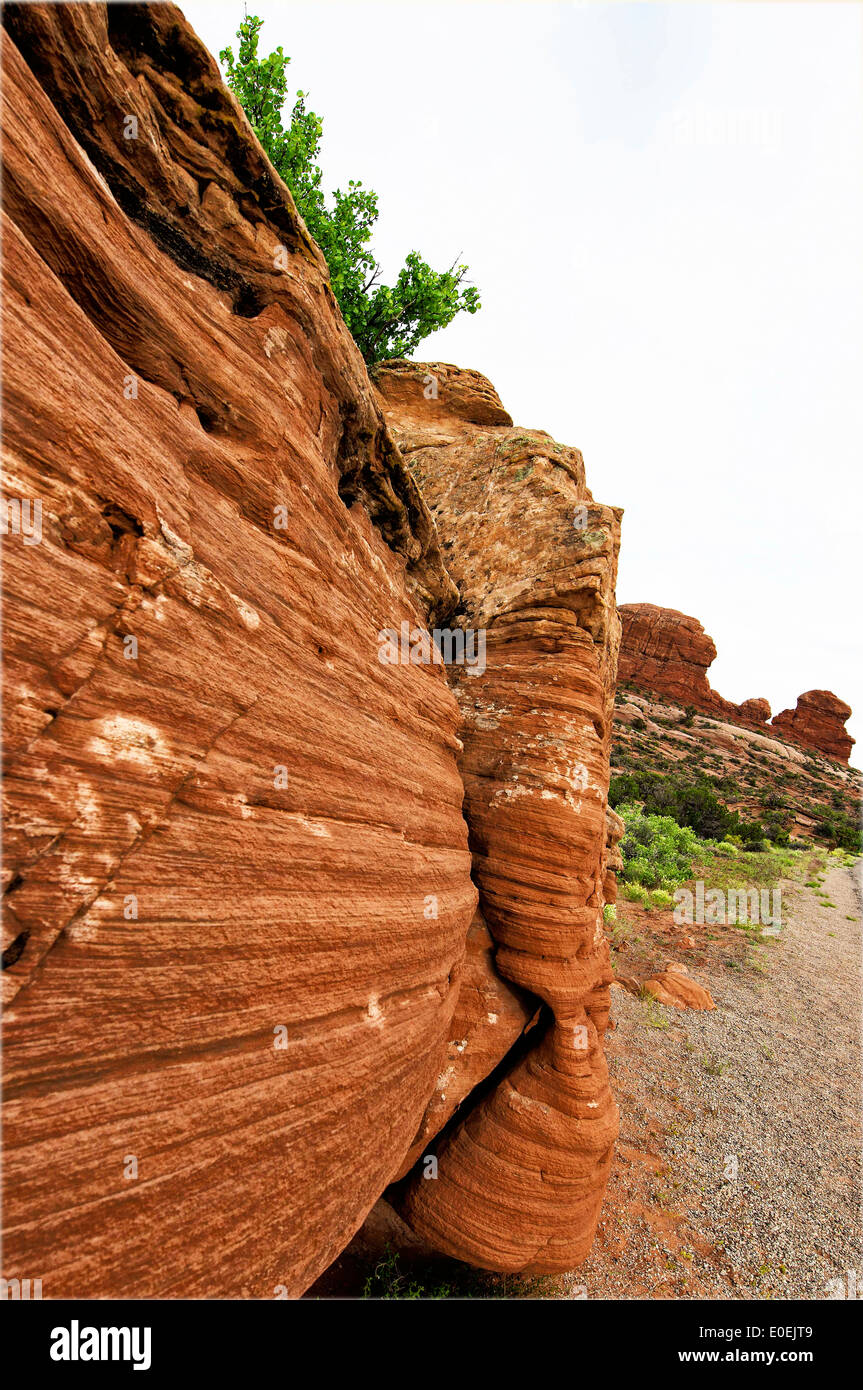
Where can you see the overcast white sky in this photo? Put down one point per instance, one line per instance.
(662, 207)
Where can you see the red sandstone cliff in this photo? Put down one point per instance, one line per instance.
(226, 1003)
(247, 980)
(668, 653)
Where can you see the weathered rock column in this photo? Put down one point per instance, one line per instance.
(521, 1178)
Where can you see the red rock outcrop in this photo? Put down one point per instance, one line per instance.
(521, 1176)
(756, 711)
(668, 653)
(247, 984)
(818, 722)
(236, 867)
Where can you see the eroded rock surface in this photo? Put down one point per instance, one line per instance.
(490, 1015)
(521, 1176)
(226, 1010)
(755, 711)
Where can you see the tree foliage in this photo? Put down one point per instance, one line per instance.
(693, 804)
(386, 321)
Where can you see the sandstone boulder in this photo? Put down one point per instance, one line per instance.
(674, 987)
(756, 711)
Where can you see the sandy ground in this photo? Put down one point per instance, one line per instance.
(738, 1170)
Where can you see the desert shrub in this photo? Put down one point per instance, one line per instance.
(772, 800)
(726, 849)
(752, 834)
(657, 852)
(775, 827)
(692, 803)
(660, 897)
(838, 829)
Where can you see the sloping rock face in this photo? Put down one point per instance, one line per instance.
(668, 653)
(521, 1172)
(818, 721)
(237, 872)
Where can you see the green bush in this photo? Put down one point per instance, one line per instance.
(689, 803)
(726, 849)
(838, 829)
(775, 828)
(657, 852)
(661, 898)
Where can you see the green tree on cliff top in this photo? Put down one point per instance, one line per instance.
(386, 321)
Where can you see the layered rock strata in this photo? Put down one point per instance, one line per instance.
(669, 653)
(225, 819)
(520, 1178)
(247, 983)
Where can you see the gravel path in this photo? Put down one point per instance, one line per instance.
(738, 1169)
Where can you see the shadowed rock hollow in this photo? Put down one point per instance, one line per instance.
(247, 981)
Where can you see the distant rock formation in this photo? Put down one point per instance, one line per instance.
(668, 654)
(818, 722)
(755, 711)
